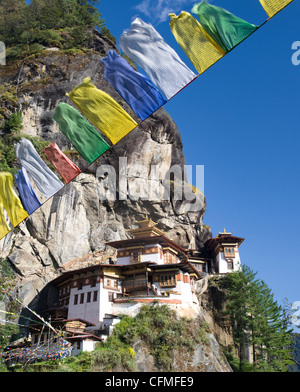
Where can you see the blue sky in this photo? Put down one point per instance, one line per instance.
(240, 120)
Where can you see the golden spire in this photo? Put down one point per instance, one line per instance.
(146, 228)
(224, 233)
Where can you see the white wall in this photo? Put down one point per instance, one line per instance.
(105, 305)
(152, 257)
(88, 311)
(93, 311)
(85, 345)
(123, 260)
(221, 261)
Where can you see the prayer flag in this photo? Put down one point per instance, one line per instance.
(10, 200)
(27, 194)
(102, 111)
(136, 89)
(81, 134)
(146, 47)
(194, 41)
(224, 28)
(65, 167)
(272, 7)
(4, 228)
(45, 180)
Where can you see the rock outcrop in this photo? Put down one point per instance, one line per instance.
(204, 358)
(78, 221)
(71, 229)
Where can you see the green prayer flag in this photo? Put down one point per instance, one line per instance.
(83, 136)
(223, 27)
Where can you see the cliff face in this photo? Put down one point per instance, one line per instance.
(76, 223)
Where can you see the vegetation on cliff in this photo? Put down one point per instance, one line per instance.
(66, 24)
(8, 331)
(11, 134)
(157, 326)
(258, 323)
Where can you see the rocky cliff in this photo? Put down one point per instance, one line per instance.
(75, 224)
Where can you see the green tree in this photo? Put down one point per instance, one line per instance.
(257, 321)
(27, 29)
(12, 19)
(11, 135)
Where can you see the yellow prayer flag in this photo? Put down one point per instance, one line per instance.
(272, 7)
(200, 48)
(4, 228)
(10, 200)
(102, 111)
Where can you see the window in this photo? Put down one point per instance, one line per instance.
(135, 256)
(167, 280)
(88, 297)
(81, 298)
(95, 296)
(230, 264)
(229, 252)
(110, 296)
(76, 299)
(111, 283)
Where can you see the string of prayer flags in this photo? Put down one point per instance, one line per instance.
(45, 180)
(4, 321)
(20, 316)
(10, 201)
(65, 167)
(146, 47)
(204, 41)
(137, 90)
(49, 350)
(28, 196)
(223, 27)
(81, 134)
(38, 316)
(194, 41)
(102, 111)
(272, 7)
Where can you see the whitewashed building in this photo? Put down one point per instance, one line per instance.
(224, 249)
(149, 267)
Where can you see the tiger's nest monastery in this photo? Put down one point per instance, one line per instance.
(149, 267)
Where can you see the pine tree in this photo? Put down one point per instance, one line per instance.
(257, 321)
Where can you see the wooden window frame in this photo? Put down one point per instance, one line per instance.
(95, 296)
(88, 298)
(230, 265)
(135, 256)
(81, 298)
(229, 252)
(111, 296)
(168, 280)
